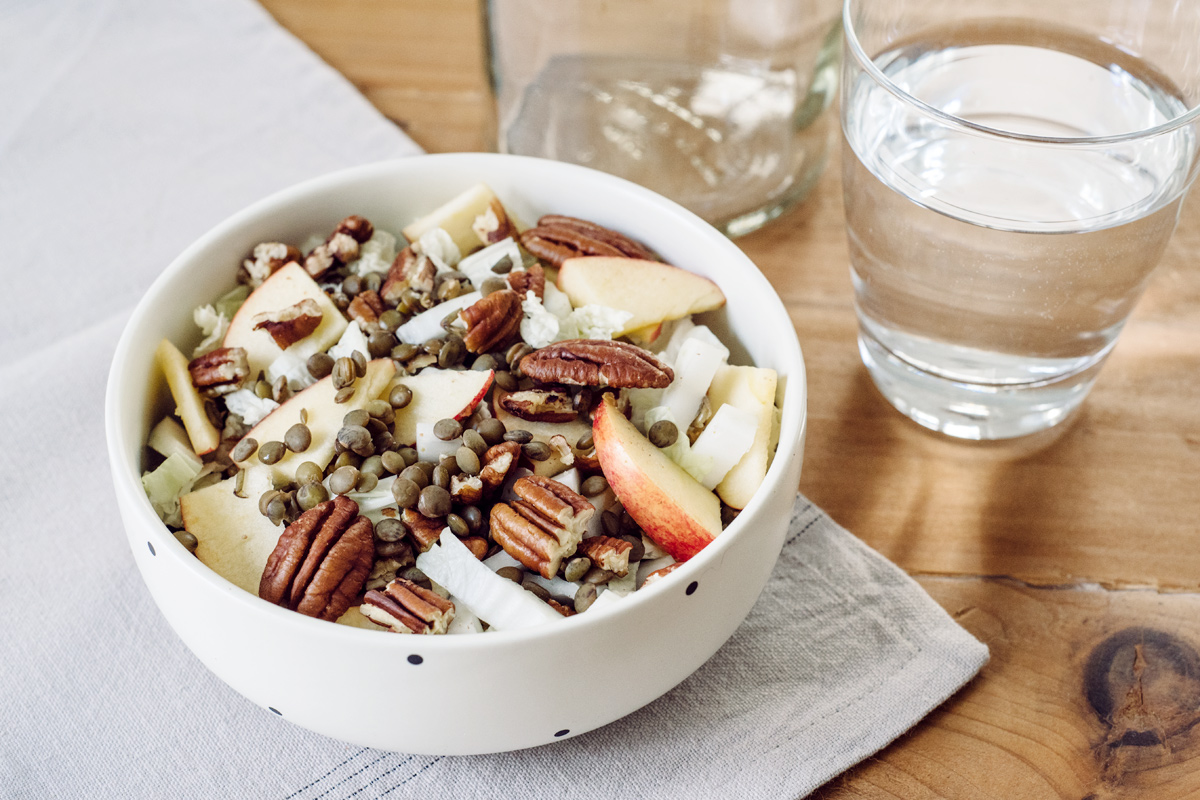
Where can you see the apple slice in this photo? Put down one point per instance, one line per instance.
(651, 291)
(751, 389)
(285, 288)
(673, 509)
(189, 405)
(168, 438)
(438, 394)
(457, 216)
(644, 337)
(233, 538)
(324, 416)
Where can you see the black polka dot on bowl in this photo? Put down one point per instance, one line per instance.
(563, 732)
(692, 587)
(151, 549)
(274, 710)
(415, 659)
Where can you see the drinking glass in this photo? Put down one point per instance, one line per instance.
(1013, 171)
(717, 104)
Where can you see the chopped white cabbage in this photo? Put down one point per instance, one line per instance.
(430, 447)
(166, 483)
(556, 302)
(695, 365)
(686, 329)
(352, 339)
(641, 401)
(569, 478)
(213, 326)
(599, 322)
(478, 266)
(725, 439)
(376, 254)
(249, 406)
(428, 324)
(372, 503)
(440, 247)
(498, 601)
(553, 320)
(293, 365)
(228, 304)
(464, 621)
(539, 327)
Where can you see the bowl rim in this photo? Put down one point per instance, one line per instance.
(123, 383)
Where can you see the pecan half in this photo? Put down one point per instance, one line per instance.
(357, 228)
(540, 405)
(532, 279)
(557, 238)
(289, 325)
(560, 608)
(365, 309)
(266, 259)
(597, 362)
(607, 553)
(492, 321)
(493, 225)
(219, 372)
(543, 526)
(423, 274)
(341, 246)
(498, 461)
(423, 530)
(659, 574)
(321, 561)
(406, 607)
(398, 274)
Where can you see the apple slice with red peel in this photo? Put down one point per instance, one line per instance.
(283, 289)
(324, 417)
(233, 538)
(669, 505)
(189, 405)
(438, 394)
(644, 337)
(751, 389)
(651, 291)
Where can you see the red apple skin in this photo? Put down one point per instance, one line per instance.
(672, 507)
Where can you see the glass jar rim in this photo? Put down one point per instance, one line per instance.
(868, 65)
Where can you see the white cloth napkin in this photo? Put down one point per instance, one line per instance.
(131, 127)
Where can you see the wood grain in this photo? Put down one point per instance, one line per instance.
(1091, 695)
(1038, 547)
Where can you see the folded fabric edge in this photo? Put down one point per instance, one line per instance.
(946, 658)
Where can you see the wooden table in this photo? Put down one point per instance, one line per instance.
(1075, 555)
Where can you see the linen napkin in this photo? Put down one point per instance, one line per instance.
(129, 129)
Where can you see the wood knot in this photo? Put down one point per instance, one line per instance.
(1144, 685)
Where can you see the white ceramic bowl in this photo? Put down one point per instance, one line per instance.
(475, 693)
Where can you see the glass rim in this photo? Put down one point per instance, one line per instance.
(877, 75)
